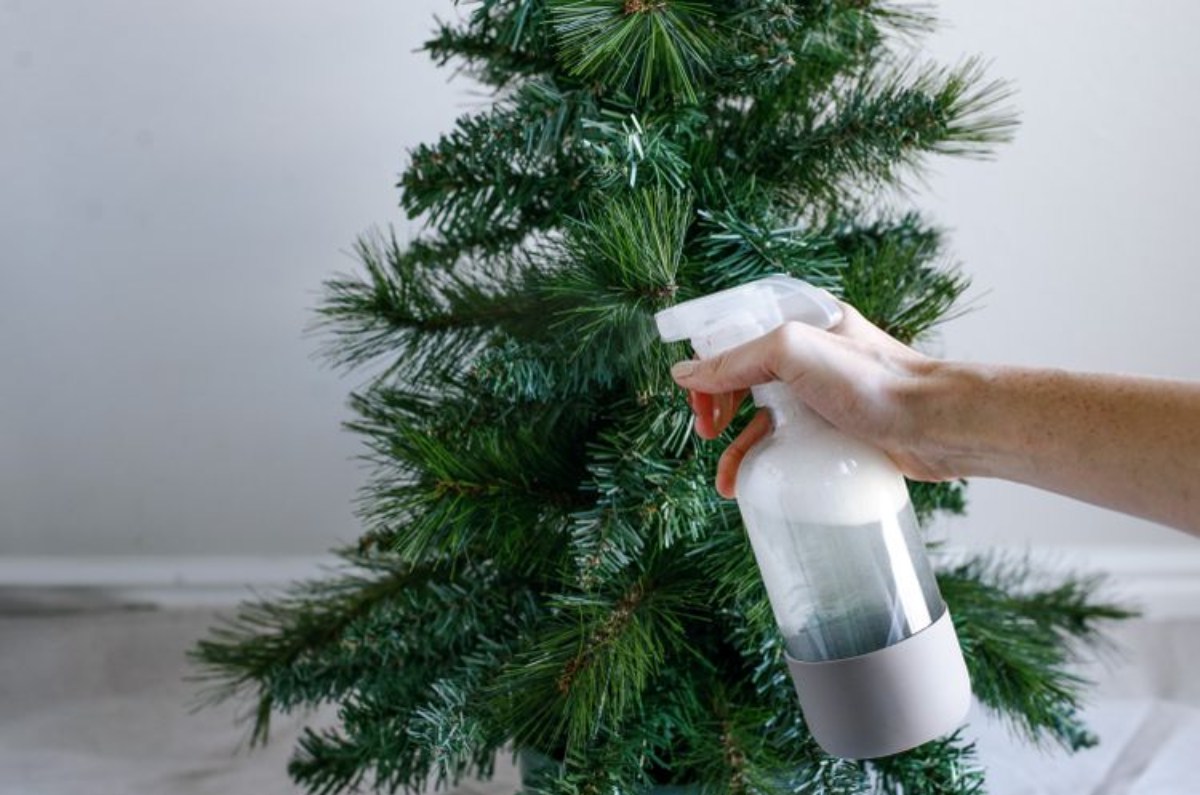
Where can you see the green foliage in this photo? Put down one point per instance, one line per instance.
(891, 275)
(641, 47)
(504, 41)
(512, 168)
(939, 767)
(588, 668)
(379, 625)
(419, 313)
(543, 559)
(1020, 638)
(648, 484)
(394, 739)
(627, 151)
(875, 131)
(457, 476)
(929, 499)
(735, 251)
(626, 260)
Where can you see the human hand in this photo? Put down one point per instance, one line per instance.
(861, 380)
(1124, 442)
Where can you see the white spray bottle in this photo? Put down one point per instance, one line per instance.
(870, 644)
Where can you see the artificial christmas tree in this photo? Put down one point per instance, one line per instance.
(544, 561)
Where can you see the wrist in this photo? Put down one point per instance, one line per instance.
(956, 427)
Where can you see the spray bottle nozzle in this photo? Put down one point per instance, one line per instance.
(720, 321)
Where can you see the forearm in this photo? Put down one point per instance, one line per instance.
(1131, 444)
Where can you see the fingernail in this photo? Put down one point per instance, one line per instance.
(683, 369)
(722, 408)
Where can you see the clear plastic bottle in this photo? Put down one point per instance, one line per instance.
(871, 646)
(835, 537)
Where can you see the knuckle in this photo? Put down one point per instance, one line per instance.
(717, 366)
(782, 344)
(788, 335)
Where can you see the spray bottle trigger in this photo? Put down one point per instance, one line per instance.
(800, 301)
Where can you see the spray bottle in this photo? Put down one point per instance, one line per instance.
(870, 644)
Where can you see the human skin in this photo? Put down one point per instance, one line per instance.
(1127, 443)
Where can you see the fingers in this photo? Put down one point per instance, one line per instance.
(731, 459)
(738, 368)
(778, 356)
(838, 373)
(714, 412)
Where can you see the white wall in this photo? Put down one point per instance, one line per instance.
(1081, 236)
(176, 179)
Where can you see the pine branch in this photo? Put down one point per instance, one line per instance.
(585, 672)
(929, 499)
(1019, 643)
(504, 40)
(623, 260)
(457, 475)
(395, 740)
(263, 652)
(782, 52)
(735, 251)
(377, 638)
(878, 130)
(484, 58)
(541, 371)
(891, 276)
(513, 166)
(735, 745)
(407, 309)
(785, 55)
(779, 754)
(947, 766)
(588, 779)
(650, 485)
(633, 244)
(625, 152)
(726, 557)
(638, 47)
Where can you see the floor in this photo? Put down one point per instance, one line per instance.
(94, 699)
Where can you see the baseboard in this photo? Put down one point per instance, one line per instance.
(1163, 582)
(161, 581)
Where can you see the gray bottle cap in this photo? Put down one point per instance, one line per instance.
(887, 701)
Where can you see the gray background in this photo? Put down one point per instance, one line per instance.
(176, 180)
